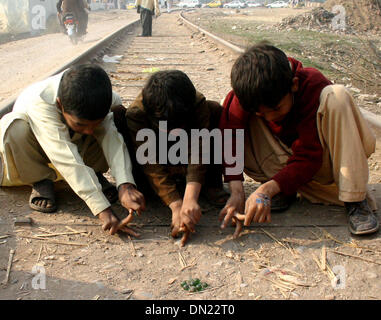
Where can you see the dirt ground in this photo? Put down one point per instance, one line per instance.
(28, 60)
(305, 253)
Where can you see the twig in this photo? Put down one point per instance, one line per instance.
(279, 242)
(58, 234)
(55, 242)
(10, 260)
(182, 260)
(4, 237)
(39, 254)
(132, 247)
(323, 258)
(350, 245)
(357, 257)
(189, 266)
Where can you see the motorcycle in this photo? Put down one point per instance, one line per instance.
(71, 25)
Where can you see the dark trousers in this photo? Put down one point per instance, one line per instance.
(146, 21)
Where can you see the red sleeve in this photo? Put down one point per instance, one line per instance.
(233, 117)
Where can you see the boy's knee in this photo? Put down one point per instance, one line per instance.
(338, 98)
(19, 130)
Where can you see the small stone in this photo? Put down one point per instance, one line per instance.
(229, 254)
(140, 254)
(50, 258)
(126, 291)
(251, 294)
(243, 285)
(23, 221)
(330, 297)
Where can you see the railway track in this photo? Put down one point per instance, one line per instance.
(176, 44)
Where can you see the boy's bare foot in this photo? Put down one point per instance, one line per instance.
(42, 198)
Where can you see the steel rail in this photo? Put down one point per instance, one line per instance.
(106, 41)
(372, 118)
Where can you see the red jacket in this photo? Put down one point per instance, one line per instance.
(298, 130)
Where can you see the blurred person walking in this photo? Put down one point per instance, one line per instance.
(147, 9)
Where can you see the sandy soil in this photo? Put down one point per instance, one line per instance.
(26, 61)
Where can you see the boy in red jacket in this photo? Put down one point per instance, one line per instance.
(302, 135)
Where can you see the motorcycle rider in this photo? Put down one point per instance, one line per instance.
(78, 8)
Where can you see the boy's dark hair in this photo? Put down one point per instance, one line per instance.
(169, 95)
(85, 92)
(261, 76)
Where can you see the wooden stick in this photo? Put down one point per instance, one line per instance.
(132, 247)
(182, 260)
(357, 257)
(323, 258)
(55, 242)
(58, 234)
(4, 237)
(39, 254)
(10, 260)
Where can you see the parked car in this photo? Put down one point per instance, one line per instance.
(189, 4)
(131, 6)
(214, 4)
(278, 4)
(235, 4)
(252, 4)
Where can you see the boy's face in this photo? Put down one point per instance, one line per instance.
(82, 126)
(282, 109)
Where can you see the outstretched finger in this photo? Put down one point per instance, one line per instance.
(185, 238)
(126, 220)
(129, 231)
(238, 227)
(229, 215)
(222, 213)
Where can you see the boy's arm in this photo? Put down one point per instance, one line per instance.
(157, 174)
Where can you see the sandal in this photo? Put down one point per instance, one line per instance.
(216, 196)
(43, 190)
(108, 189)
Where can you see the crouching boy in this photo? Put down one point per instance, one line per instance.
(64, 124)
(167, 103)
(302, 134)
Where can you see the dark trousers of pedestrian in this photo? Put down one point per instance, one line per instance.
(146, 21)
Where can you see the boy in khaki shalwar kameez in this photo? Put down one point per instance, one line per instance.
(63, 124)
(303, 135)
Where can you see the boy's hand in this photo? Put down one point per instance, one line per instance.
(190, 214)
(258, 205)
(131, 198)
(176, 221)
(234, 207)
(112, 223)
(257, 208)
